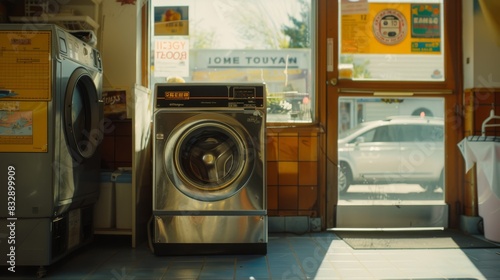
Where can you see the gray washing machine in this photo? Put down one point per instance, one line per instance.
(51, 126)
(209, 191)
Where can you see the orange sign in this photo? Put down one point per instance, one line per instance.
(390, 27)
(26, 65)
(386, 29)
(177, 95)
(23, 126)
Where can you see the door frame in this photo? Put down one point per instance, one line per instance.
(329, 91)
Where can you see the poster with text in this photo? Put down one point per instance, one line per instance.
(349, 7)
(425, 21)
(23, 126)
(397, 29)
(171, 57)
(171, 21)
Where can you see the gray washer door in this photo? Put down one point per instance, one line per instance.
(81, 116)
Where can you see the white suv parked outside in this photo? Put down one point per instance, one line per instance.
(401, 149)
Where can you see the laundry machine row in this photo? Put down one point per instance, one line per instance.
(51, 126)
(209, 190)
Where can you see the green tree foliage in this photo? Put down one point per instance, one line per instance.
(299, 31)
(202, 38)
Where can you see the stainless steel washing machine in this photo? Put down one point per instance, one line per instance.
(51, 126)
(209, 191)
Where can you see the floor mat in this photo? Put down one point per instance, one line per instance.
(428, 239)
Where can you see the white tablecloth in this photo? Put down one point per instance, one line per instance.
(485, 152)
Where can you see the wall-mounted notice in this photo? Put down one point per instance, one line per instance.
(25, 59)
(349, 7)
(23, 126)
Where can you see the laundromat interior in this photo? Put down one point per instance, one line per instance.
(231, 139)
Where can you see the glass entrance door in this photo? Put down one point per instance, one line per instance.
(387, 81)
(391, 162)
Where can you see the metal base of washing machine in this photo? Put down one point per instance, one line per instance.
(43, 241)
(192, 234)
(192, 249)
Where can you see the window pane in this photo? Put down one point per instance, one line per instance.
(391, 150)
(388, 40)
(219, 41)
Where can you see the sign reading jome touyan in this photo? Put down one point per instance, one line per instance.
(283, 59)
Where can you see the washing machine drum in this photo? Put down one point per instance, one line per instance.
(209, 158)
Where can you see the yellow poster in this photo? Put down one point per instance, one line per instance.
(25, 57)
(23, 126)
(392, 29)
(171, 21)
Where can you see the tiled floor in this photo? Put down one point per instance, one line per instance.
(309, 256)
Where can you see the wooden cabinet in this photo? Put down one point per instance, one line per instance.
(129, 144)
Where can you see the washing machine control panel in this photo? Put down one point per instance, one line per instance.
(243, 93)
(80, 51)
(210, 95)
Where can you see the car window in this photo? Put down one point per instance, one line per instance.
(410, 133)
(367, 136)
(434, 133)
(385, 133)
(420, 133)
(351, 131)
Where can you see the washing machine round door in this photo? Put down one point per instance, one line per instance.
(209, 157)
(81, 115)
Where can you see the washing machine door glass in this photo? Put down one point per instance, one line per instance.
(82, 115)
(211, 160)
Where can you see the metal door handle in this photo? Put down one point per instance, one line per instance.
(333, 81)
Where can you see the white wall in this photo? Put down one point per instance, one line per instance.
(481, 50)
(119, 41)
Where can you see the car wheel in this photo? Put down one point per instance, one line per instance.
(431, 187)
(441, 180)
(344, 177)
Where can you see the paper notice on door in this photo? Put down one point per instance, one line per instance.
(350, 7)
